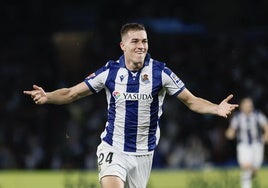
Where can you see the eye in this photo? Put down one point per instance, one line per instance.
(145, 41)
(134, 41)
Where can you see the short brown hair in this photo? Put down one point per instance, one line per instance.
(131, 27)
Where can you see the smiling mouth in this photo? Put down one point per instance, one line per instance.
(139, 53)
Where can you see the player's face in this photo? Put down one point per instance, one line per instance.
(135, 46)
(247, 106)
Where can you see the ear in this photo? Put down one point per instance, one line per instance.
(122, 45)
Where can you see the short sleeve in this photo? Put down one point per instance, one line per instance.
(96, 81)
(171, 82)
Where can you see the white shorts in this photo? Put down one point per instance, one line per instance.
(250, 154)
(134, 170)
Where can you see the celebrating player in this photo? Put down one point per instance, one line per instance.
(247, 124)
(135, 86)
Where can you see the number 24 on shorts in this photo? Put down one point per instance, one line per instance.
(108, 158)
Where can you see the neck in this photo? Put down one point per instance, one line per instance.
(134, 66)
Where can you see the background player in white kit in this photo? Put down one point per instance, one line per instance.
(250, 127)
(135, 88)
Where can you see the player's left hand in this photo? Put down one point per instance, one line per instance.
(225, 108)
(37, 94)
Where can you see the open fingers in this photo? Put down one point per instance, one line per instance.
(28, 92)
(33, 93)
(36, 90)
(36, 94)
(229, 97)
(37, 87)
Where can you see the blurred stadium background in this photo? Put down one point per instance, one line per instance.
(215, 47)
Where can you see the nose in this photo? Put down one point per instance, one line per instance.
(140, 44)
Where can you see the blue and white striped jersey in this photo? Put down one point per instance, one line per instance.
(135, 102)
(249, 127)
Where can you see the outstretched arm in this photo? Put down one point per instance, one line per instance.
(204, 106)
(59, 96)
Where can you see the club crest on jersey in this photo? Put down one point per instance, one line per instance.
(145, 79)
(175, 78)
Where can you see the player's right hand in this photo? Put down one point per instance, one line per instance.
(37, 94)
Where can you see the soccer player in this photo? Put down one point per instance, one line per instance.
(135, 85)
(250, 127)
